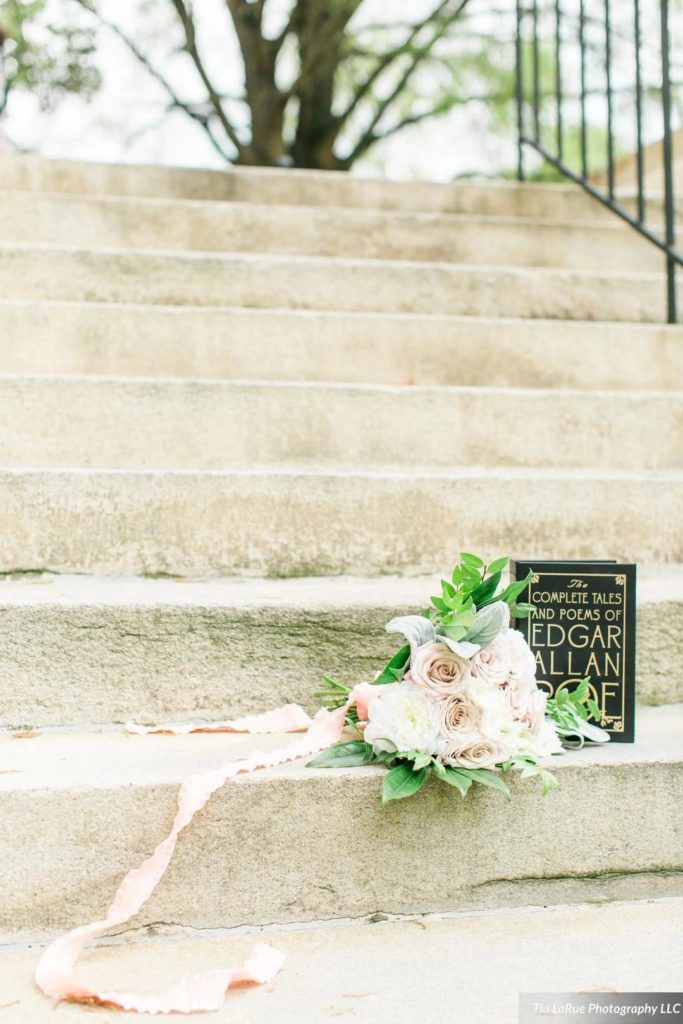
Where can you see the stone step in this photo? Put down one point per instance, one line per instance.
(403, 970)
(78, 650)
(81, 808)
(317, 283)
(298, 187)
(75, 338)
(201, 226)
(117, 423)
(308, 523)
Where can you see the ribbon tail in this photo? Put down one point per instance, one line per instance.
(204, 991)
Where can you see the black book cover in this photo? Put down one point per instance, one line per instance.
(584, 624)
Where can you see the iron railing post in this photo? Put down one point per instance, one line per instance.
(669, 209)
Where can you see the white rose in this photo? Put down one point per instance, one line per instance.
(403, 717)
(438, 670)
(479, 752)
(460, 717)
(520, 657)
(493, 663)
(541, 740)
(522, 697)
(493, 703)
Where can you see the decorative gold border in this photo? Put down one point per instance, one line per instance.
(621, 580)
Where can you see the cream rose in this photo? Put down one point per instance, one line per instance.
(493, 663)
(403, 717)
(438, 670)
(479, 752)
(460, 718)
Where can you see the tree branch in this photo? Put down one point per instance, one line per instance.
(388, 59)
(368, 137)
(144, 60)
(185, 15)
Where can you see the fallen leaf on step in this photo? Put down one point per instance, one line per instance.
(27, 734)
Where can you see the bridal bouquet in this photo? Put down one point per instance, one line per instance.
(460, 699)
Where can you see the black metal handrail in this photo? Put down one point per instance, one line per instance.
(528, 96)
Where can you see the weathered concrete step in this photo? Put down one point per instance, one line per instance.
(77, 650)
(297, 282)
(79, 809)
(200, 226)
(371, 348)
(306, 523)
(400, 970)
(309, 188)
(117, 423)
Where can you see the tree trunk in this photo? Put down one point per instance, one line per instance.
(321, 31)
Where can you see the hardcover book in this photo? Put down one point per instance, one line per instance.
(583, 624)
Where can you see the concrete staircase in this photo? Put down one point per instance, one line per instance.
(244, 418)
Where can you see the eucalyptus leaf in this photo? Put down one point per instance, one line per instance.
(470, 560)
(402, 782)
(415, 628)
(498, 565)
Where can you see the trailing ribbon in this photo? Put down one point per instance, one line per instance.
(206, 990)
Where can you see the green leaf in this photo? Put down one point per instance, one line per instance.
(548, 782)
(498, 565)
(402, 782)
(439, 603)
(512, 592)
(394, 668)
(454, 778)
(471, 561)
(348, 754)
(522, 610)
(421, 761)
(485, 777)
(594, 709)
(486, 590)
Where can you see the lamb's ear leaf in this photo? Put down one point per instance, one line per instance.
(462, 647)
(488, 623)
(402, 781)
(415, 628)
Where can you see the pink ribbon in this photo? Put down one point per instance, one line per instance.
(206, 990)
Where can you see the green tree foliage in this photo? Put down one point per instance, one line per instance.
(49, 60)
(319, 92)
